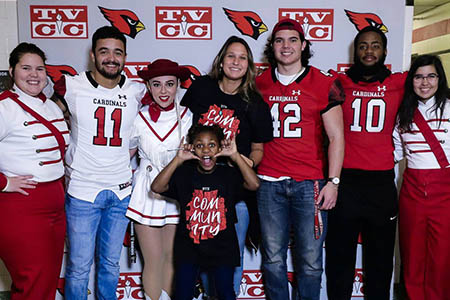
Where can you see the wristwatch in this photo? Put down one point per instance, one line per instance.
(334, 180)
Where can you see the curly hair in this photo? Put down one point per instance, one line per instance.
(197, 129)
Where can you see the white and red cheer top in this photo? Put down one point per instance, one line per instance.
(28, 147)
(101, 120)
(412, 144)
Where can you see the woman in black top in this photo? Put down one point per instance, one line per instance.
(228, 97)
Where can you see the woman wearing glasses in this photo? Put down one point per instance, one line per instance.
(424, 217)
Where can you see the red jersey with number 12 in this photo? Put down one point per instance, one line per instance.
(370, 111)
(297, 148)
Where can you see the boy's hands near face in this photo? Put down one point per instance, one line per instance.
(186, 152)
(229, 149)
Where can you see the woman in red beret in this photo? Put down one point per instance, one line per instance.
(158, 130)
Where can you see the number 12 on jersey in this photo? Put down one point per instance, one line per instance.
(116, 117)
(290, 124)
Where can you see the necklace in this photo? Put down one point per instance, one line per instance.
(222, 88)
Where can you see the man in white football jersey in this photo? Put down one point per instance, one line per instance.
(102, 105)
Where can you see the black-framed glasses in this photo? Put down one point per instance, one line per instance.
(430, 77)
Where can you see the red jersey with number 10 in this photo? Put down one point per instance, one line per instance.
(370, 111)
(297, 149)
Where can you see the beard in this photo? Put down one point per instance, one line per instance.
(370, 70)
(104, 73)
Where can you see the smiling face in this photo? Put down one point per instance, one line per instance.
(163, 89)
(288, 47)
(369, 49)
(29, 74)
(425, 82)
(206, 145)
(109, 57)
(235, 62)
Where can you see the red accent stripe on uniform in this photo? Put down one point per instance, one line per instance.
(37, 122)
(50, 162)
(438, 120)
(419, 151)
(48, 149)
(39, 136)
(152, 217)
(416, 142)
(170, 131)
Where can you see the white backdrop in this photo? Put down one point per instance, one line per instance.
(191, 32)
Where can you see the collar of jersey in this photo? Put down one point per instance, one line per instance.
(356, 76)
(299, 78)
(95, 83)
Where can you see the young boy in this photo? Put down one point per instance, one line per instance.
(207, 193)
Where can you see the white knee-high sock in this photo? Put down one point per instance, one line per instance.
(164, 295)
(147, 297)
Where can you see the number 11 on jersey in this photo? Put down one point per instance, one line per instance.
(116, 117)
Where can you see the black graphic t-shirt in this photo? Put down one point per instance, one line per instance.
(206, 233)
(251, 121)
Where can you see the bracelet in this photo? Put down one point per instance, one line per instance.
(6, 186)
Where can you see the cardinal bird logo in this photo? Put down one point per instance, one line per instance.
(55, 72)
(361, 20)
(247, 22)
(125, 20)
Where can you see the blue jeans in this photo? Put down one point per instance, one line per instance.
(283, 205)
(241, 226)
(98, 228)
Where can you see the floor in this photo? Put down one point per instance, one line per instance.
(399, 293)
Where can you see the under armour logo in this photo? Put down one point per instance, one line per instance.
(381, 88)
(122, 96)
(296, 92)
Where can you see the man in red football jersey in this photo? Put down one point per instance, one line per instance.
(304, 102)
(367, 201)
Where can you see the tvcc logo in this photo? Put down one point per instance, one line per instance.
(131, 68)
(317, 23)
(358, 284)
(59, 22)
(251, 285)
(183, 23)
(130, 286)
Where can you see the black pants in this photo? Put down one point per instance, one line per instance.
(367, 204)
(186, 275)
